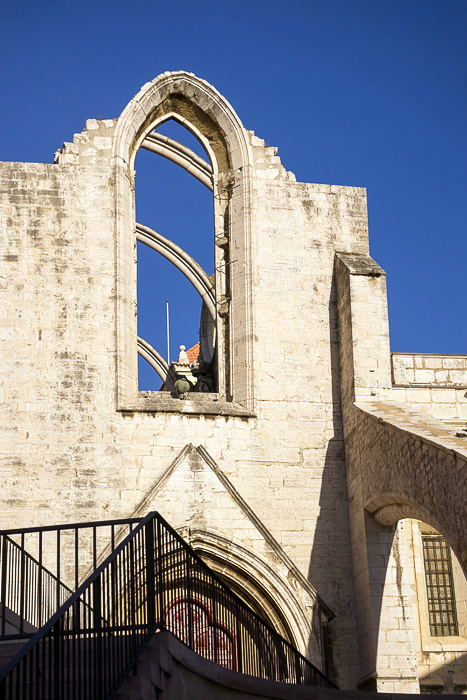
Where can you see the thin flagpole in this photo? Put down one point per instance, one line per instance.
(168, 333)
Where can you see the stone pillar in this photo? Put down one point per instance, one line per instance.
(386, 651)
(389, 568)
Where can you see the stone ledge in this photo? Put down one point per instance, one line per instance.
(186, 669)
(360, 264)
(429, 354)
(201, 404)
(416, 385)
(410, 421)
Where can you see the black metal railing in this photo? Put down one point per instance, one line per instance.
(29, 592)
(152, 580)
(41, 567)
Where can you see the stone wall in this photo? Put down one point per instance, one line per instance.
(424, 369)
(442, 661)
(274, 481)
(401, 464)
(265, 478)
(434, 384)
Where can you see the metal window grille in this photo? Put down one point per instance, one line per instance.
(439, 586)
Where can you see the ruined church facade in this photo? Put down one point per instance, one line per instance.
(315, 472)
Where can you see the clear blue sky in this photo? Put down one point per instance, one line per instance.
(354, 92)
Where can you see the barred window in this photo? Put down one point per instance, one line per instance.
(439, 586)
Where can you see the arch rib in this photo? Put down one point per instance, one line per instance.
(182, 261)
(180, 155)
(156, 361)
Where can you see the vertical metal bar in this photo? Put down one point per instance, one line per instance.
(23, 588)
(161, 587)
(97, 624)
(142, 588)
(31, 592)
(4, 578)
(87, 668)
(94, 547)
(33, 677)
(23, 666)
(43, 675)
(189, 602)
(14, 575)
(132, 615)
(113, 599)
(76, 558)
(58, 572)
(214, 619)
(105, 635)
(75, 644)
(239, 664)
(39, 587)
(298, 674)
(150, 576)
(126, 619)
(65, 657)
(122, 603)
(110, 618)
(56, 662)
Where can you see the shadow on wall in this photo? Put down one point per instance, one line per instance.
(401, 583)
(330, 568)
(446, 679)
(331, 572)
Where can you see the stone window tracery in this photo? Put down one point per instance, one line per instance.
(198, 107)
(200, 370)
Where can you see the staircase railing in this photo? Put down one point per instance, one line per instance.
(152, 580)
(32, 588)
(29, 593)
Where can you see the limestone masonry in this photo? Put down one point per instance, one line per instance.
(310, 465)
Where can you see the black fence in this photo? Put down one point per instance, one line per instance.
(29, 593)
(42, 567)
(150, 580)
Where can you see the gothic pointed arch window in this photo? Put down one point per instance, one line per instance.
(226, 316)
(175, 261)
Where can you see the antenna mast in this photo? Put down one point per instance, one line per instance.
(168, 332)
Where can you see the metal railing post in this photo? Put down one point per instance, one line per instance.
(97, 624)
(298, 671)
(214, 621)
(23, 586)
(239, 665)
(3, 589)
(39, 583)
(56, 662)
(161, 582)
(150, 576)
(189, 601)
